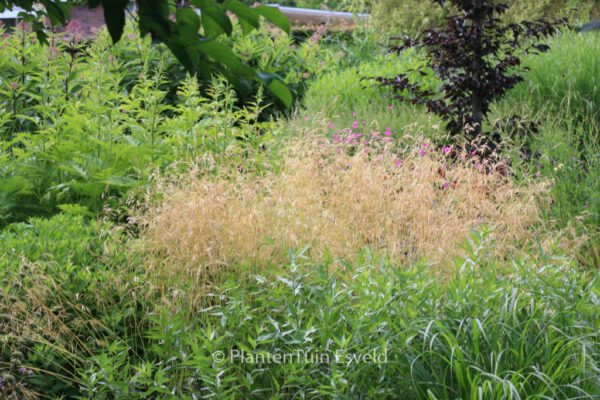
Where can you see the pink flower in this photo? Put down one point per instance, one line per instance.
(354, 114)
(422, 152)
(390, 108)
(374, 134)
(424, 145)
(388, 132)
(446, 186)
(446, 150)
(53, 50)
(331, 126)
(398, 163)
(73, 26)
(355, 125)
(24, 26)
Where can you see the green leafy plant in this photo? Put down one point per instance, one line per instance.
(80, 129)
(194, 38)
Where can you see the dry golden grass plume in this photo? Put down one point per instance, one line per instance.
(337, 201)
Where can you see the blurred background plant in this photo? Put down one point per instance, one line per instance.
(408, 17)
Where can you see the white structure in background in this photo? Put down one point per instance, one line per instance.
(308, 16)
(10, 17)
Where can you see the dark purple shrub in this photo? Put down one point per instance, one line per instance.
(475, 57)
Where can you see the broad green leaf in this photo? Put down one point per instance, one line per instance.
(185, 54)
(210, 28)
(211, 10)
(55, 11)
(275, 16)
(248, 17)
(188, 23)
(114, 16)
(153, 17)
(279, 89)
(222, 54)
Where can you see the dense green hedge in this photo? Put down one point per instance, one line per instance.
(412, 16)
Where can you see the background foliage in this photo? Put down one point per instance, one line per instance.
(413, 17)
(86, 311)
(83, 123)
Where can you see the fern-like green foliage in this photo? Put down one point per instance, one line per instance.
(83, 124)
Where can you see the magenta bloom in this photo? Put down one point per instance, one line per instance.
(355, 125)
(422, 152)
(388, 132)
(74, 28)
(398, 163)
(446, 186)
(446, 150)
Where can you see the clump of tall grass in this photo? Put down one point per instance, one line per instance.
(408, 204)
(561, 93)
(566, 77)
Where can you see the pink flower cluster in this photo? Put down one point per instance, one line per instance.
(359, 134)
(349, 139)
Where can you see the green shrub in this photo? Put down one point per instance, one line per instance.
(275, 52)
(414, 16)
(528, 331)
(565, 78)
(348, 95)
(83, 125)
(561, 94)
(80, 319)
(67, 285)
(62, 240)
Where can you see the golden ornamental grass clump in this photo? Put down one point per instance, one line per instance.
(337, 200)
